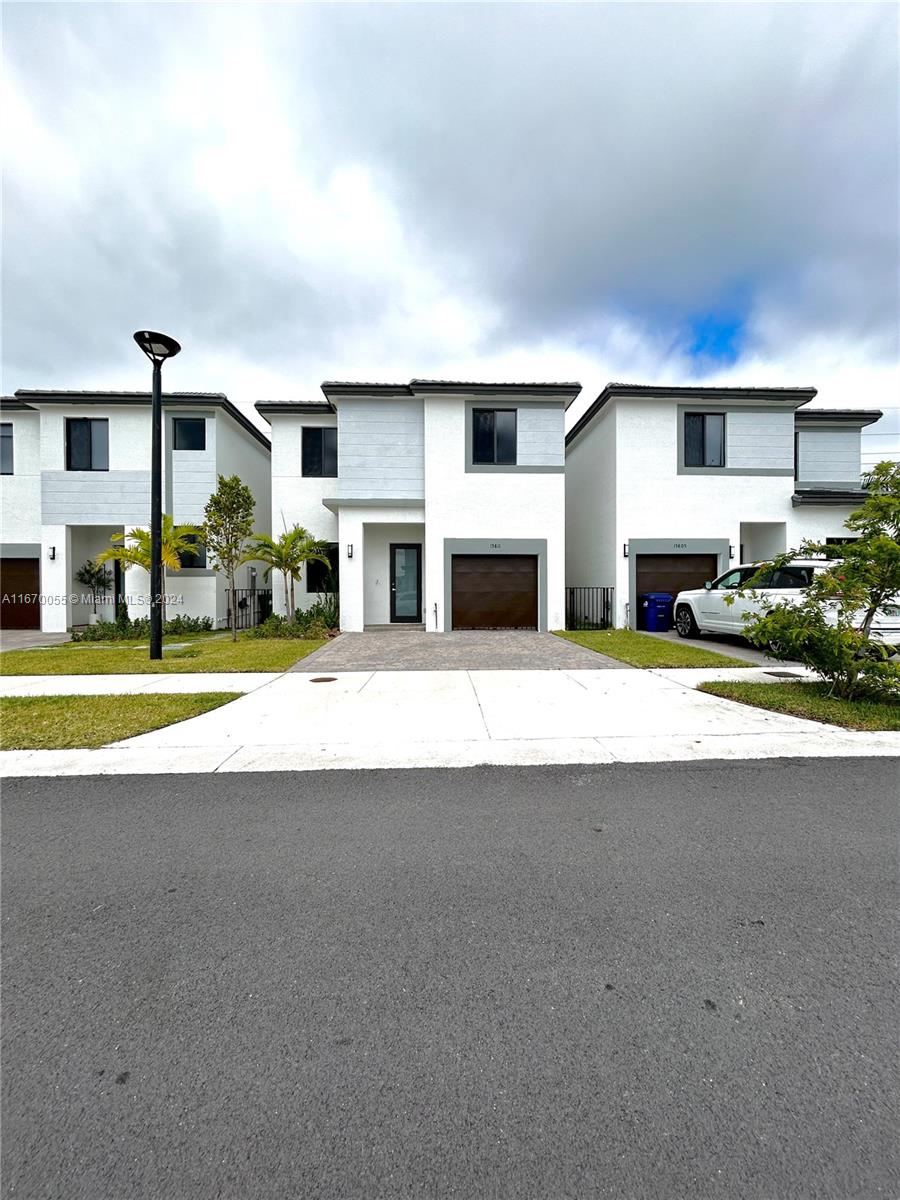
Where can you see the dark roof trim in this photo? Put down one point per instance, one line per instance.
(264, 407)
(724, 394)
(419, 387)
(169, 399)
(452, 386)
(11, 404)
(833, 497)
(85, 396)
(335, 388)
(840, 416)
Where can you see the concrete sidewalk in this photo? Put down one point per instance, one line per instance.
(453, 718)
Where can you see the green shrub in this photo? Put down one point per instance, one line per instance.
(318, 621)
(123, 629)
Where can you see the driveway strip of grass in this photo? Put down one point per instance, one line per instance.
(85, 722)
(639, 650)
(810, 700)
(185, 657)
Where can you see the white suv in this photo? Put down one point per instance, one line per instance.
(704, 610)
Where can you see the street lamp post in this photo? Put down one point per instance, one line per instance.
(158, 347)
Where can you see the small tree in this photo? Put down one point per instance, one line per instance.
(132, 549)
(228, 525)
(287, 554)
(96, 579)
(830, 629)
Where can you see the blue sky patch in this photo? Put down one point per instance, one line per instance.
(716, 336)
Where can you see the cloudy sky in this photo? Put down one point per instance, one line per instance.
(657, 193)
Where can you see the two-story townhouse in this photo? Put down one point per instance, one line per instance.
(444, 502)
(665, 486)
(76, 470)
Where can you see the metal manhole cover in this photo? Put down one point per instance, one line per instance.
(784, 674)
(324, 679)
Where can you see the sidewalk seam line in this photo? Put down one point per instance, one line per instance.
(478, 702)
(227, 758)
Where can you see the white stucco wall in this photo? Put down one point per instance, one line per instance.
(55, 576)
(818, 523)
(495, 506)
(591, 504)
(239, 453)
(20, 493)
(296, 500)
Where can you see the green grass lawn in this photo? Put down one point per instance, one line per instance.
(642, 651)
(810, 700)
(132, 658)
(70, 722)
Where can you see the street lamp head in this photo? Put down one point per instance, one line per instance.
(157, 346)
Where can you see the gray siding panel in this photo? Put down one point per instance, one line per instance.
(381, 449)
(757, 440)
(193, 481)
(95, 497)
(541, 439)
(828, 456)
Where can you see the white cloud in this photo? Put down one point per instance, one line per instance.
(543, 191)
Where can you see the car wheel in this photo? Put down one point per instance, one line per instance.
(685, 625)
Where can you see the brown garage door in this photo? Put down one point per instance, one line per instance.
(494, 591)
(674, 573)
(19, 585)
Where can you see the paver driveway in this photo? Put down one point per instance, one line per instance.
(489, 650)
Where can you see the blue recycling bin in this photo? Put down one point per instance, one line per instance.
(655, 611)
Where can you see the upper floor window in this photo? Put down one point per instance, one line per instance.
(320, 451)
(190, 433)
(196, 557)
(704, 439)
(320, 578)
(87, 444)
(494, 436)
(6, 448)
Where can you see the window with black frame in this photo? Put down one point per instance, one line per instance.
(190, 433)
(319, 452)
(704, 439)
(322, 579)
(6, 448)
(87, 444)
(494, 436)
(195, 558)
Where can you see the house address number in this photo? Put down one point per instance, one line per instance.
(679, 545)
(495, 545)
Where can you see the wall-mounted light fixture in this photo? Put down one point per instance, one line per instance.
(349, 549)
(624, 549)
(731, 552)
(52, 553)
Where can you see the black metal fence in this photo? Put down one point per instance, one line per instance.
(589, 607)
(253, 605)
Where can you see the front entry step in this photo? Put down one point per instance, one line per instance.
(400, 627)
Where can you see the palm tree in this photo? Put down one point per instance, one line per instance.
(132, 549)
(288, 553)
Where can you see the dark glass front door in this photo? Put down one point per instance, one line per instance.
(406, 582)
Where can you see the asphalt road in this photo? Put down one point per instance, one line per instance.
(632, 981)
